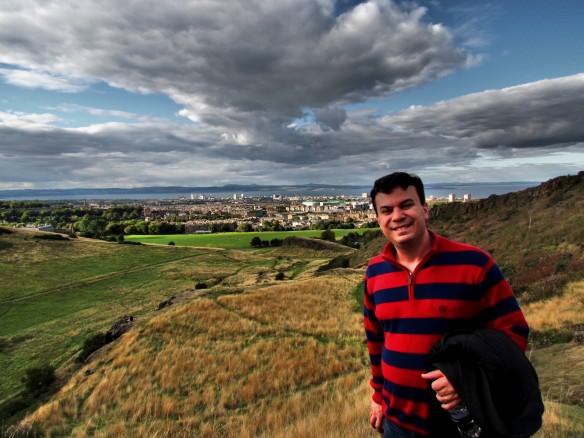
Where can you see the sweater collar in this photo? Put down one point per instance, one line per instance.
(436, 240)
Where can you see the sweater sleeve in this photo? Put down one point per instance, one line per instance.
(374, 333)
(499, 307)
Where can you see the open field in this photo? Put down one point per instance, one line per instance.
(55, 294)
(233, 240)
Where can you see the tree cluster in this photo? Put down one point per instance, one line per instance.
(356, 240)
(257, 242)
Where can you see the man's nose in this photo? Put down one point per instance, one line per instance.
(397, 214)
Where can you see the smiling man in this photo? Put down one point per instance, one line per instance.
(420, 287)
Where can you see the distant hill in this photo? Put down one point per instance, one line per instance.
(478, 190)
(536, 235)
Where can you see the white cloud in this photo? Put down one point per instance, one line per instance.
(44, 80)
(21, 120)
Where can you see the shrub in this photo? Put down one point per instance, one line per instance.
(545, 338)
(12, 407)
(280, 276)
(276, 242)
(358, 293)
(328, 235)
(256, 242)
(37, 380)
(171, 243)
(50, 237)
(90, 345)
(337, 262)
(201, 285)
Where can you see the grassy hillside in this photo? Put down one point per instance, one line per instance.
(253, 356)
(57, 293)
(224, 364)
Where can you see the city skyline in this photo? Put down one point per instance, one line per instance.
(288, 92)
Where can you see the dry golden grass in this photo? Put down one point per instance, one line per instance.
(559, 311)
(280, 358)
(561, 421)
(321, 305)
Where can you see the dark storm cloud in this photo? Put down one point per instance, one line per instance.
(248, 57)
(331, 117)
(547, 113)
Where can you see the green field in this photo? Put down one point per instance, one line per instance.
(57, 293)
(233, 240)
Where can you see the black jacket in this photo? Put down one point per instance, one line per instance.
(494, 378)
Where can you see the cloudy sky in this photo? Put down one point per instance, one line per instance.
(210, 92)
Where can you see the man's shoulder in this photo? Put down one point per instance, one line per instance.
(376, 259)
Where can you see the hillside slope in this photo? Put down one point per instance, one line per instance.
(253, 363)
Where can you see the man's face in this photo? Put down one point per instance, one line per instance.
(401, 216)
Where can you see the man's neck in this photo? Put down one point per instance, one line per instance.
(411, 255)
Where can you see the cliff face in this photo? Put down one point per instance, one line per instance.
(553, 191)
(536, 235)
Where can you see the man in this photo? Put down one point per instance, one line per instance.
(420, 287)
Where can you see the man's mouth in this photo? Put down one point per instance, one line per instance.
(401, 227)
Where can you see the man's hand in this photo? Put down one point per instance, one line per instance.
(445, 392)
(376, 416)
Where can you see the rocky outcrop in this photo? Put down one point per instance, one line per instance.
(166, 303)
(119, 327)
(552, 190)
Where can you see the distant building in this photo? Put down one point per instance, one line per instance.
(364, 195)
(451, 197)
(466, 197)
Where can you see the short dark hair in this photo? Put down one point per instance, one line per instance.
(387, 183)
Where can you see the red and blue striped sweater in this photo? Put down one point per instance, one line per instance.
(405, 314)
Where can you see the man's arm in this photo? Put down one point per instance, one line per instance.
(374, 334)
(499, 308)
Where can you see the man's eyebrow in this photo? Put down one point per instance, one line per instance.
(404, 201)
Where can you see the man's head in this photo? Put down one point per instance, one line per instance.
(401, 209)
(387, 183)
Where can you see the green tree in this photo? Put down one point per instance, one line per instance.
(328, 235)
(245, 227)
(38, 380)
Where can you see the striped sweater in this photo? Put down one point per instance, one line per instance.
(454, 286)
